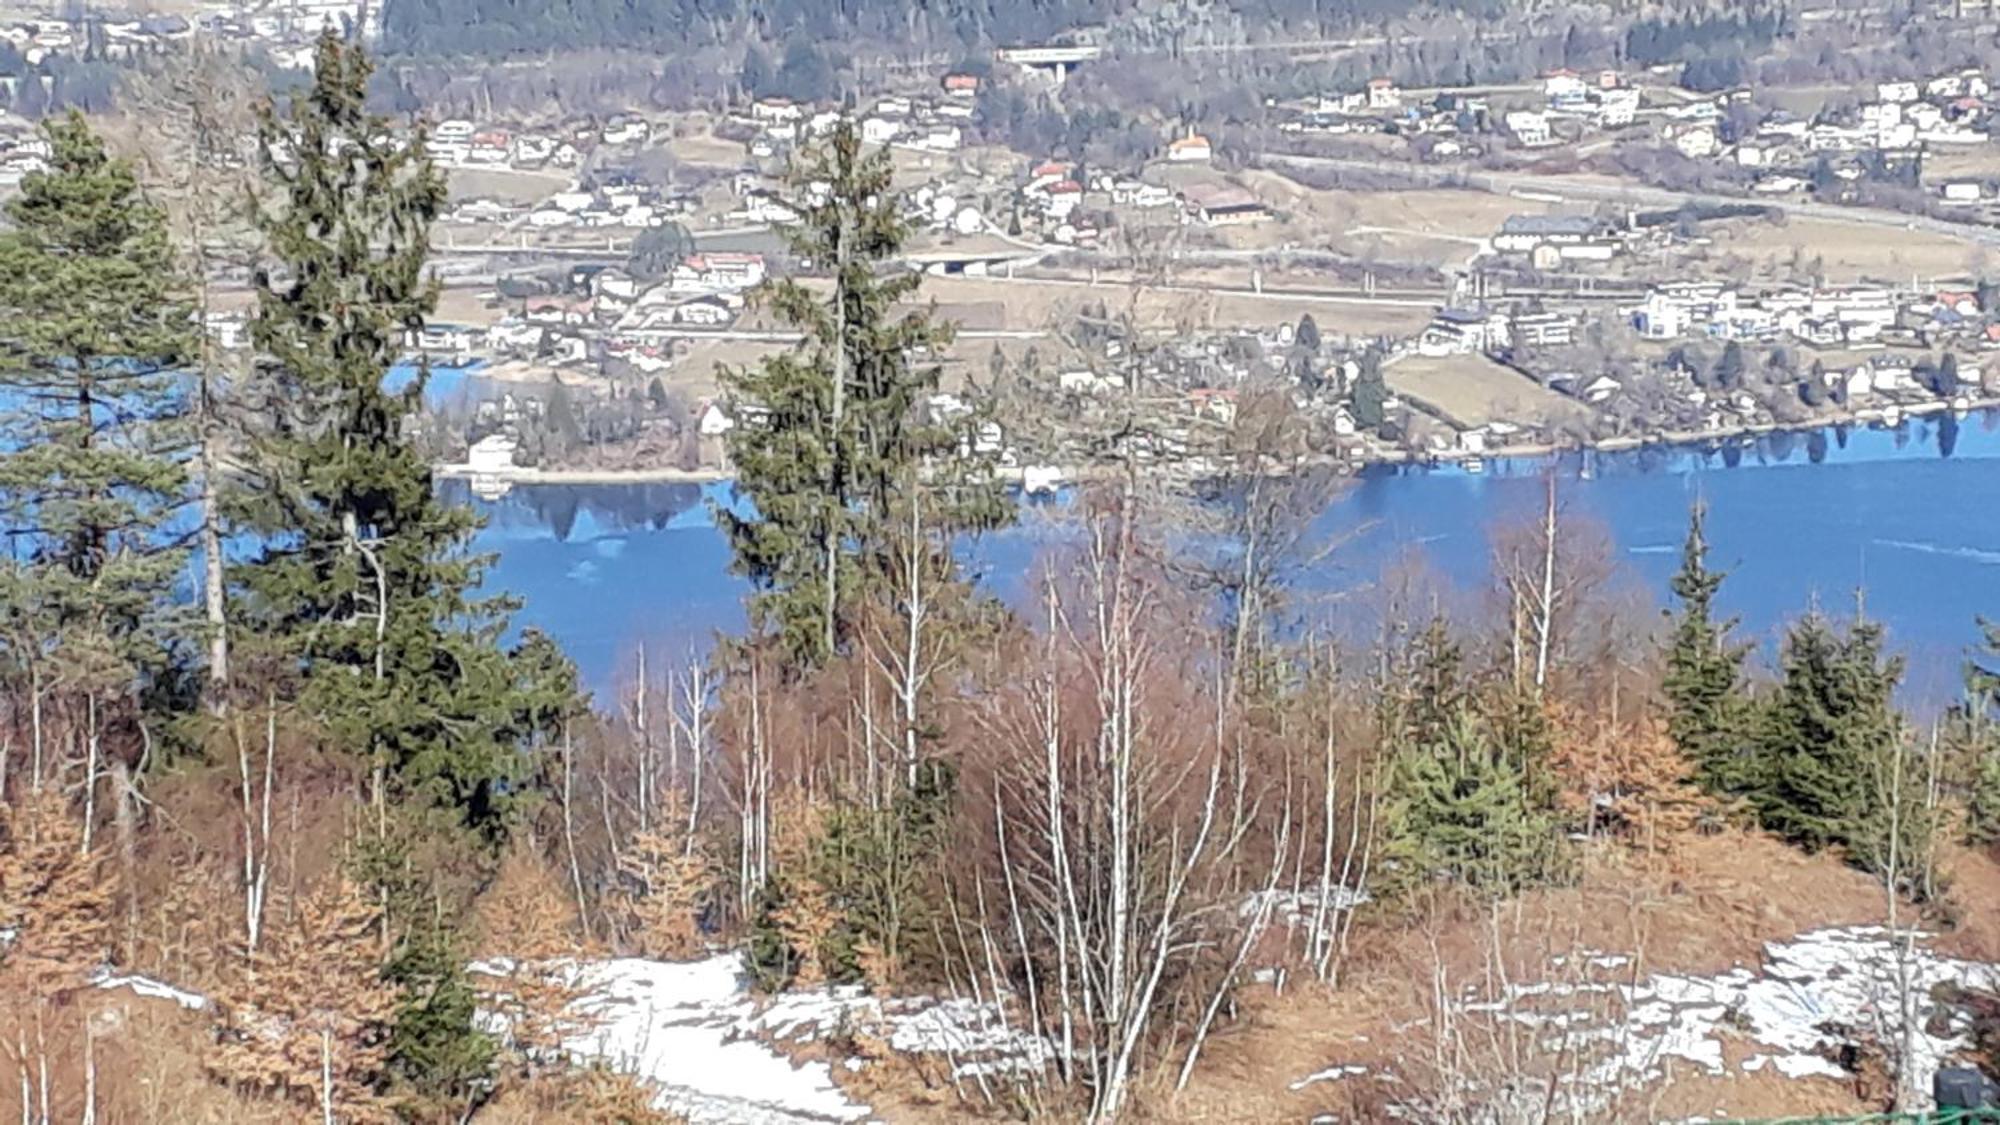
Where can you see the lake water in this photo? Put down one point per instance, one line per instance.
(1912, 513)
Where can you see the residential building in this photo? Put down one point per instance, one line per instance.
(1542, 330)
(1193, 148)
(715, 272)
(1222, 204)
(1463, 331)
(1530, 128)
(493, 453)
(1522, 233)
(1563, 87)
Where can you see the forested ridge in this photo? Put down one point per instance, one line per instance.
(478, 27)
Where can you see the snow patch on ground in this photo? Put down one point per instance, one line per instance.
(150, 989)
(712, 1049)
(1812, 996)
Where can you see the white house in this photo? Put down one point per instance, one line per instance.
(1383, 93)
(1896, 91)
(1696, 143)
(493, 453)
(763, 208)
(1617, 107)
(1461, 331)
(1191, 149)
(1961, 192)
(715, 272)
(1563, 86)
(706, 312)
(943, 138)
(774, 110)
(715, 421)
(626, 130)
(1530, 128)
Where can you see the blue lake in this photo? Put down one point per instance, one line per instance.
(1909, 512)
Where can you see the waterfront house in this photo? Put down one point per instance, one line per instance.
(493, 453)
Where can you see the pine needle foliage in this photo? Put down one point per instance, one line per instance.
(1470, 797)
(831, 434)
(55, 902)
(365, 588)
(94, 320)
(1974, 730)
(1707, 710)
(1833, 716)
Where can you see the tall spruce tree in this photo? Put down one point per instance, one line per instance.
(1973, 737)
(830, 435)
(94, 320)
(366, 584)
(1832, 720)
(365, 587)
(1708, 712)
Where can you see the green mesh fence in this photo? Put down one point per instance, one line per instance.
(1931, 1117)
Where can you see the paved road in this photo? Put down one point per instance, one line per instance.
(1645, 195)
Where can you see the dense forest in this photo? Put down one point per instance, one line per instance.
(488, 27)
(450, 27)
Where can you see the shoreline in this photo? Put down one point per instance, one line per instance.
(527, 475)
(1625, 443)
(1620, 443)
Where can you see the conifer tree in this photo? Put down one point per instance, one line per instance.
(666, 885)
(94, 319)
(829, 434)
(1469, 799)
(366, 586)
(1707, 710)
(1832, 718)
(1974, 734)
(56, 914)
(309, 1017)
(1461, 808)
(526, 985)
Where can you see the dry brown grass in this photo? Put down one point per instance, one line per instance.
(1845, 252)
(1724, 897)
(510, 185)
(1471, 390)
(1045, 301)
